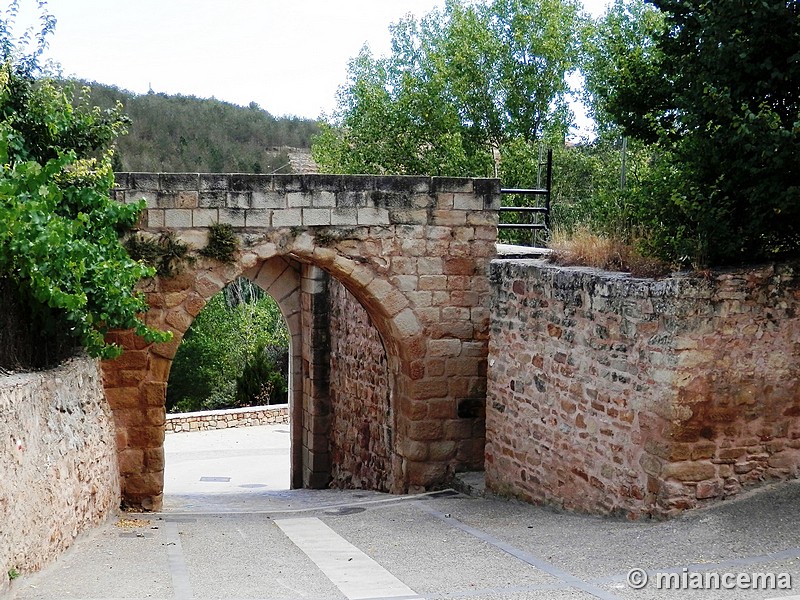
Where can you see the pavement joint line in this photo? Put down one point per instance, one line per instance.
(179, 572)
(549, 568)
(744, 561)
(357, 575)
(283, 511)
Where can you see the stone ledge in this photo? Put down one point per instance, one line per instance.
(225, 419)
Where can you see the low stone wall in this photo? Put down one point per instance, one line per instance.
(58, 462)
(611, 394)
(223, 419)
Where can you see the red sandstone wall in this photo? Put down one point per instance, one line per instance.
(361, 425)
(611, 394)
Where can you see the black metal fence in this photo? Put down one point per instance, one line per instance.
(528, 211)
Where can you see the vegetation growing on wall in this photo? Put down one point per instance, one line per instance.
(165, 253)
(234, 354)
(60, 257)
(222, 243)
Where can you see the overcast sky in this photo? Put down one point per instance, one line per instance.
(288, 56)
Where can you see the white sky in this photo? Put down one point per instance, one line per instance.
(289, 57)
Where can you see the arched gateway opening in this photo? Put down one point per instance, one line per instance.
(413, 252)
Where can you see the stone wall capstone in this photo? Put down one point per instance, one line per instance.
(58, 462)
(610, 394)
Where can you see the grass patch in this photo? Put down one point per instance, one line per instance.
(222, 243)
(588, 249)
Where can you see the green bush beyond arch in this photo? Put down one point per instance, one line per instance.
(234, 354)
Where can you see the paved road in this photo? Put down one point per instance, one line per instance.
(248, 538)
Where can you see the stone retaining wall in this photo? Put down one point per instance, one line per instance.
(58, 463)
(223, 419)
(611, 394)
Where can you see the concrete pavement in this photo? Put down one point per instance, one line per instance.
(231, 530)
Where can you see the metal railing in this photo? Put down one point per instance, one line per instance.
(527, 216)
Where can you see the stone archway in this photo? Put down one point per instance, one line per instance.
(413, 251)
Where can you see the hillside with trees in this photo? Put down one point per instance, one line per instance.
(188, 134)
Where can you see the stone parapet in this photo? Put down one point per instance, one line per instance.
(191, 200)
(224, 419)
(611, 394)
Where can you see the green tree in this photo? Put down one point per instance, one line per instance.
(720, 94)
(460, 85)
(59, 230)
(234, 354)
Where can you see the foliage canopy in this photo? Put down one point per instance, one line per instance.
(234, 354)
(718, 92)
(459, 86)
(59, 229)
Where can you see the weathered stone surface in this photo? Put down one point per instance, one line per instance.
(361, 430)
(601, 384)
(58, 459)
(414, 270)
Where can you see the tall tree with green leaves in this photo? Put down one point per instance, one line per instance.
(459, 85)
(60, 254)
(720, 94)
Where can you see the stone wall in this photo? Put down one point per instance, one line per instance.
(362, 423)
(58, 463)
(224, 419)
(611, 394)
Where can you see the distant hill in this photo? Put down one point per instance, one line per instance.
(189, 134)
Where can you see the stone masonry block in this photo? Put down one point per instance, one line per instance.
(178, 218)
(402, 216)
(449, 218)
(212, 200)
(238, 200)
(268, 200)
(258, 218)
(406, 323)
(323, 199)
(316, 216)
(214, 182)
(290, 217)
(246, 182)
(344, 216)
(467, 202)
(373, 216)
(176, 182)
(133, 196)
(155, 218)
(298, 200)
(232, 216)
(144, 181)
(452, 184)
(205, 217)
